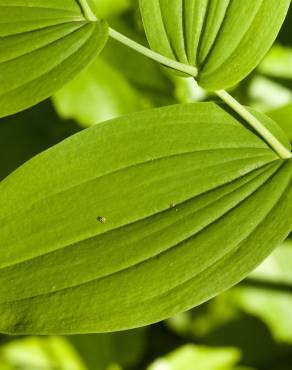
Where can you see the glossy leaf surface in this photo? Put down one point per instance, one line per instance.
(43, 45)
(224, 39)
(136, 219)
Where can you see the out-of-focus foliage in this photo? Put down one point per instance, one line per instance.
(283, 117)
(109, 8)
(33, 353)
(27, 133)
(110, 87)
(149, 257)
(271, 87)
(254, 319)
(272, 305)
(103, 351)
(193, 357)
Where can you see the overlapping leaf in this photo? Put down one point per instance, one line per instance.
(43, 44)
(225, 39)
(133, 220)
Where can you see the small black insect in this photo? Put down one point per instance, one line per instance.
(101, 219)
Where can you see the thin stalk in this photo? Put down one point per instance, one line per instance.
(192, 71)
(88, 13)
(187, 69)
(255, 124)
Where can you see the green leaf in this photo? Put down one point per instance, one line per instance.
(194, 357)
(43, 45)
(277, 267)
(283, 117)
(136, 219)
(100, 351)
(110, 8)
(40, 354)
(100, 92)
(273, 306)
(110, 86)
(277, 62)
(224, 39)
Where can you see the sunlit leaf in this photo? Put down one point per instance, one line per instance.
(193, 357)
(43, 45)
(278, 62)
(136, 219)
(110, 8)
(267, 94)
(224, 39)
(273, 306)
(98, 93)
(40, 354)
(283, 116)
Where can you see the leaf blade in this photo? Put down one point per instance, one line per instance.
(42, 47)
(168, 222)
(219, 36)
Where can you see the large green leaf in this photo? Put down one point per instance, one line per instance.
(224, 39)
(43, 45)
(136, 219)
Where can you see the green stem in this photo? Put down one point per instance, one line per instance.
(192, 71)
(255, 124)
(88, 13)
(187, 69)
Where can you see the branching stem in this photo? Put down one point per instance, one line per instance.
(192, 71)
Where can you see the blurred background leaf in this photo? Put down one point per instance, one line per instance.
(193, 357)
(120, 81)
(103, 351)
(268, 293)
(51, 353)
